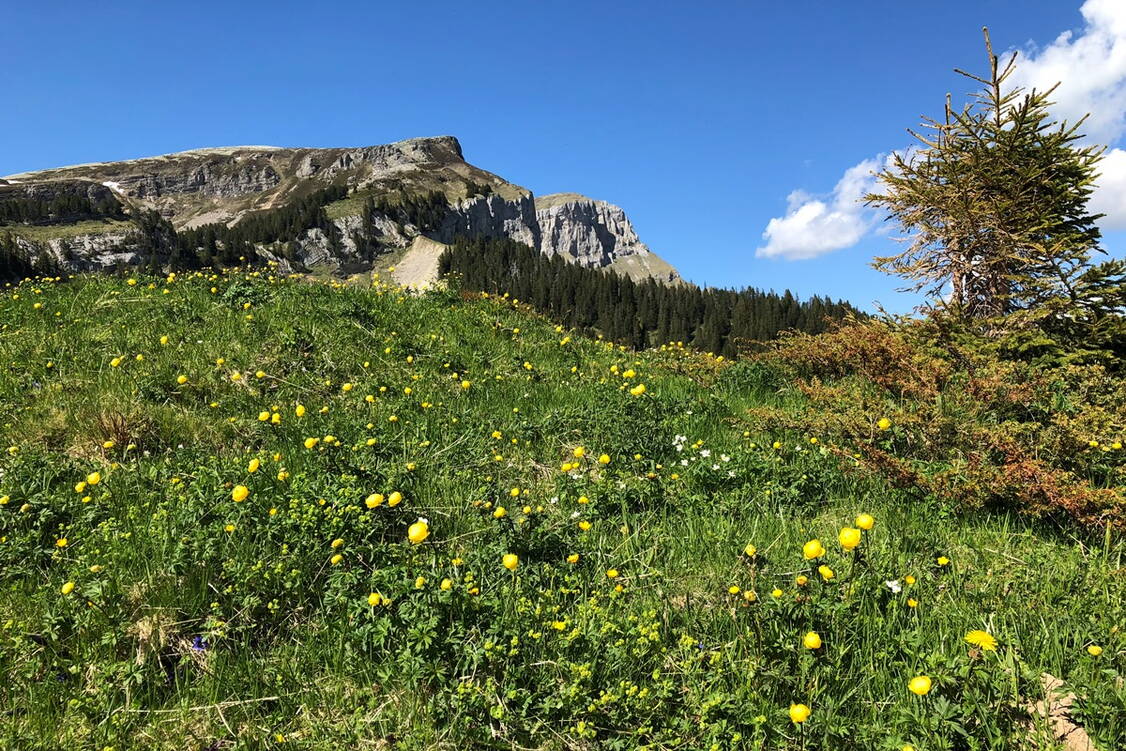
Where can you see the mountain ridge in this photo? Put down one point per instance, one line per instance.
(221, 186)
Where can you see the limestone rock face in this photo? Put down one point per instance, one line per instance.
(592, 233)
(492, 216)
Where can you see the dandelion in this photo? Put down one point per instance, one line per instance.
(776, 593)
(638, 390)
(813, 549)
(912, 602)
(300, 411)
(510, 561)
(812, 640)
(982, 639)
(338, 542)
(849, 538)
(799, 713)
(465, 385)
(584, 525)
(181, 379)
(500, 512)
(801, 580)
(920, 685)
(418, 531)
(240, 493)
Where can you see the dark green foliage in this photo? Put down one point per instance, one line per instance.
(16, 263)
(425, 211)
(61, 208)
(639, 314)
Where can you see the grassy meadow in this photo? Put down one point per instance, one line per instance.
(240, 511)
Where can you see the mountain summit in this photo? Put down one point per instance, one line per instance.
(340, 209)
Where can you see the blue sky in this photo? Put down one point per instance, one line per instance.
(700, 119)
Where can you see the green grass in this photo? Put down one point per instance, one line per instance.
(552, 655)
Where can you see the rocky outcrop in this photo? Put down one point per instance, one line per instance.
(491, 216)
(592, 233)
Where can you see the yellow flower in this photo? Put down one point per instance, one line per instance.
(573, 558)
(253, 466)
(420, 582)
(982, 639)
(776, 593)
(67, 588)
(920, 685)
(263, 416)
(1094, 650)
(375, 599)
(812, 640)
(612, 573)
(943, 561)
(61, 542)
(300, 411)
(336, 559)
(240, 493)
(883, 423)
(500, 512)
(465, 385)
(826, 572)
(584, 525)
(912, 602)
(813, 549)
(394, 499)
(418, 531)
(311, 442)
(799, 713)
(115, 362)
(733, 590)
(750, 550)
(446, 585)
(801, 580)
(373, 500)
(182, 379)
(749, 595)
(849, 538)
(93, 478)
(604, 459)
(338, 542)
(638, 390)
(865, 522)
(510, 561)
(579, 452)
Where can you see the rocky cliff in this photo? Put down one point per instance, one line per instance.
(222, 186)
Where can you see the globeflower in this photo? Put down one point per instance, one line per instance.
(883, 423)
(510, 561)
(920, 685)
(849, 538)
(812, 640)
(826, 572)
(67, 588)
(1094, 650)
(813, 549)
(750, 550)
(418, 531)
(865, 522)
(982, 639)
(799, 713)
(240, 493)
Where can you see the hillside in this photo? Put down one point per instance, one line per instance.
(243, 510)
(382, 198)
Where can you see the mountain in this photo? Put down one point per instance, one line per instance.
(340, 209)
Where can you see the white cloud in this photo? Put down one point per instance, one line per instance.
(1090, 68)
(814, 226)
(1110, 196)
